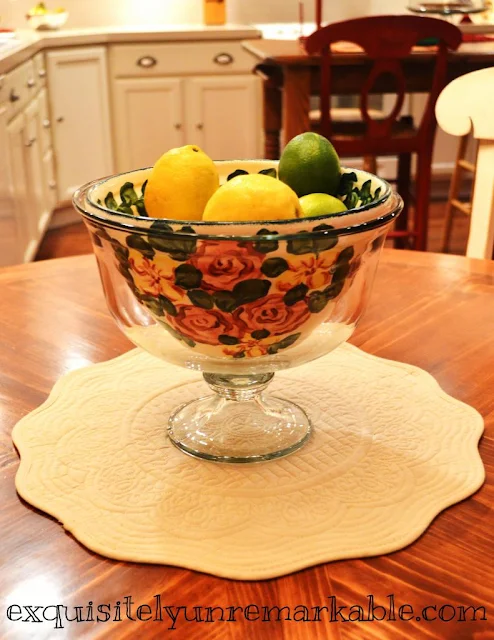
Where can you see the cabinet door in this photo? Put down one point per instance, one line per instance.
(224, 116)
(78, 92)
(17, 153)
(148, 120)
(11, 237)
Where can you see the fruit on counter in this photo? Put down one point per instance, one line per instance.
(252, 197)
(310, 164)
(180, 184)
(320, 204)
(39, 10)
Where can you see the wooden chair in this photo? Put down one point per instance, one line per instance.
(388, 41)
(466, 105)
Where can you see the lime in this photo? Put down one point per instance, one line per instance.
(310, 164)
(180, 184)
(252, 197)
(320, 204)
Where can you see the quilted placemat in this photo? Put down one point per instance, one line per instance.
(389, 451)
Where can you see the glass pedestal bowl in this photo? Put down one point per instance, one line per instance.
(237, 301)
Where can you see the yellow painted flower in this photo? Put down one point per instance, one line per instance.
(315, 272)
(155, 277)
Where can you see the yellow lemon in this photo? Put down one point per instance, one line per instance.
(252, 197)
(180, 184)
(320, 204)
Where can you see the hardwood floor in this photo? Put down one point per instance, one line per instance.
(74, 240)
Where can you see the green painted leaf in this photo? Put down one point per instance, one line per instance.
(266, 246)
(377, 193)
(187, 276)
(377, 243)
(96, 240)
(295, 294)
(288, 341)
(269, 172)
(143, 188)
(121, 252)
(102, 233)
(137, 242)
(141, 208)
(237, 172)
(259, 334)
(334, 290)
(124, 208)
(240, 354)
(317, 301)
(128, 194)
(225, 301)
(178, 248)
(200, 298)
(230, 340)
(341, 272)
(273, 267)
(153, 304)
(110, 202)
(301, 245)
(250, 290)
(167, 305)
(177, 335)
(346, 255)
(324, 243)
(347, 181)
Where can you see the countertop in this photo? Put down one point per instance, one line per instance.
(26, 43)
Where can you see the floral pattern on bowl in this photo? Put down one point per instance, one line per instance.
(231, 297)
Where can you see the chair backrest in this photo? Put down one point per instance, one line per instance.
(387, 41)
(466, 105)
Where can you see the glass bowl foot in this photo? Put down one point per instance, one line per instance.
(239, 423)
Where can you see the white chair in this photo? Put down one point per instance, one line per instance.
(465, 105)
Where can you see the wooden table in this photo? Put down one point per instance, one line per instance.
(291, 77)
(433, 311)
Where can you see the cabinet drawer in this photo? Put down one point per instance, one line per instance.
(152, 59)
(20, 87)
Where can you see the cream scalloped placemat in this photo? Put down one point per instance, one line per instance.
(389, 451)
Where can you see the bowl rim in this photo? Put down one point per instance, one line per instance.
(161, 226)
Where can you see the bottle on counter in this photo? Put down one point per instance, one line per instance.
(214, 12)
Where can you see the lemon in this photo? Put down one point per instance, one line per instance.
(253, 197)
(310, 164)
(320, 204)
(180, 184)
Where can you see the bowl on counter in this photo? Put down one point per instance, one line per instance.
(50, 21)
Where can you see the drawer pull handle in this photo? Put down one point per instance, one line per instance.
(199, 126)
(14, 96)
(52, 184)
(178, 126)
(31, 142)
(60, 119)
(46, 123)
(42, 73)
(30, 83)
(147, 62)
(223, 59)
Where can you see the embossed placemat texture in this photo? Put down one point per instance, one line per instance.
(389, 451)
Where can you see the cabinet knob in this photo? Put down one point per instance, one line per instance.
(147, 62)
(52, 184)
(46, 123)
(14, 96)
(60, 119)
(30, 142)
(42, 73)
(30, 83)
(178, 126)
(223, 58)
(200, 126)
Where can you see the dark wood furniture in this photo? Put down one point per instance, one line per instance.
(433, 311)
(388, 42)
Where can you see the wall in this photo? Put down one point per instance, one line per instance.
(90, 13)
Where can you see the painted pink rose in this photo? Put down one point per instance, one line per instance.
(203, 325)
(271, 313)
(225, 263)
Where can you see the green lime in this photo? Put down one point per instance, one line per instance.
(310, 164)
(320, 204)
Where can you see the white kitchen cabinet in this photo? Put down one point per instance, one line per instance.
(80, 114)
(148, 119)
(223, 116)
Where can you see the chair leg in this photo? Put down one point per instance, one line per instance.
(403, 188)
(370, 164)
(423, 188)
(453, 194)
